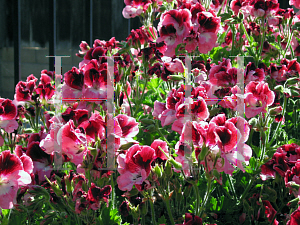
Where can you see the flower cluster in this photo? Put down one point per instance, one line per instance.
(167, 120)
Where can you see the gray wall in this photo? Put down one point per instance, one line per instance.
(72, 28)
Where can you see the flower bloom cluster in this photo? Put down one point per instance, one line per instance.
(169, 136)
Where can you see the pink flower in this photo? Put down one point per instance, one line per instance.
(174, 66)
(225, 132)
(191, 219)
(68, 139)
(270, 212)
(12, 177)
(198, 109)
(223, 74)
(258, 96)
(230, 137)
(295, 3)
(167, 117)
(126, 128)
(236, 5)
(191, 41)
(96, 194)
(295, 216)
(8, 113)
(40, 159)
(94, 127)
(74, 78)
(45, 91)
(263, 8)
(253, 74)
(159, 107)
(207, 41)
(158, 153)
(24, 90)
(1, 141)
(207, 22)
(278, 163)
(8, 110)
(131, 12)
(173, 27)
(84, 47)
(135, 166)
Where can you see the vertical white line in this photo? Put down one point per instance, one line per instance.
(187, 101)
(110, 115)
(241, 102)
(58, 160)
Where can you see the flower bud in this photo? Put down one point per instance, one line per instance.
(293, 203)
(168, 169)
(127, 145)
(55, 188)
(292, 81)
(276, 111)
(68, 186)
(175, 77)
(293, 185)
(253, 122)
(203, 154)
(158, 171)
(162, 8)
(135, 212)
(177, 165)
(216, 174)
(93, 153)
(179, 195)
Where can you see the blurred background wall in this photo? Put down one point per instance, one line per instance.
(74, 18)
(76, 21)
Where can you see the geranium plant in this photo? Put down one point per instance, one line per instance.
(202, 125)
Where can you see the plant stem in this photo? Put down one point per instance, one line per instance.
(262, 41)
(279, 124)
(247, 189)
(288, 43)
(37, 118)
(206, 197)
(233, 38)
(152, 212)
(129, 102)
(229, 178)
(159, 132)
(197, 199)
(112, 191)
(167, 201)
(141, 98)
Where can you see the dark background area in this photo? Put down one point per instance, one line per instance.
(73, 20)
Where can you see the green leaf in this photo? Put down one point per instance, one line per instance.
(162, 220)
(252, 162)
(214, 204)
(279, 88)
(148, 102)
(294, 140)
(109, 216)
(154, 83)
